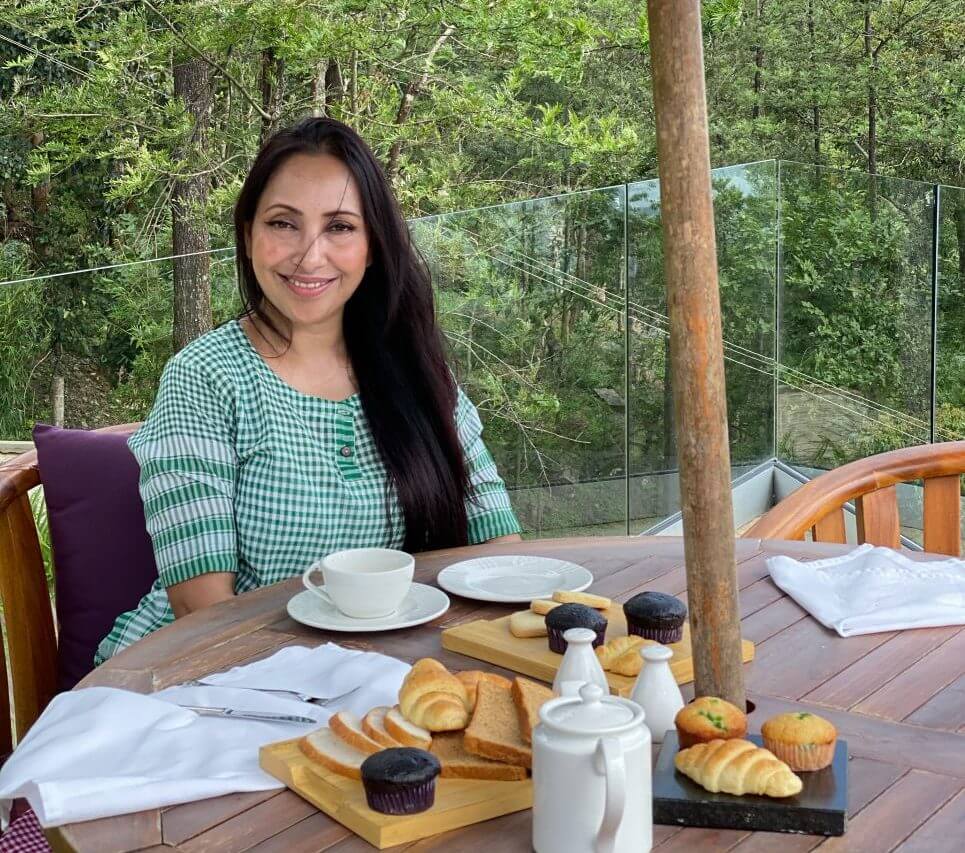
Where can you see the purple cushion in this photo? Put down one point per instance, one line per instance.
(103, 559)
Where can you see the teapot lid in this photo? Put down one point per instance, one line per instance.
(591, 713)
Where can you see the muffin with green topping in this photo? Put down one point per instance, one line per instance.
(802, 740)
(708, 718)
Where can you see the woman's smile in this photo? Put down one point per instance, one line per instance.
(308, 287)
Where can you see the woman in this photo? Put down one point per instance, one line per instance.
(325, 417)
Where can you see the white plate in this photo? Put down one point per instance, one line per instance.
(421, 604)
(513, 579)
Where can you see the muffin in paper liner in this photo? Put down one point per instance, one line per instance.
(802, 740)
(802, 756)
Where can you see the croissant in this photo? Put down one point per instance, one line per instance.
(432, 697)
(737, 767)
(615, 648)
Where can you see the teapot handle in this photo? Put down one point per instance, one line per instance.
(608, 762)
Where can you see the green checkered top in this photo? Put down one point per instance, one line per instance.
(242, 473)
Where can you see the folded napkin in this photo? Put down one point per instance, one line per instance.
(100, 751)
(874, 589)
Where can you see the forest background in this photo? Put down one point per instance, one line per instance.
(126, 129)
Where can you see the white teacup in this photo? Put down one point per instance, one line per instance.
(363, 583)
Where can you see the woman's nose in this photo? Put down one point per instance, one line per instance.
(314, 250)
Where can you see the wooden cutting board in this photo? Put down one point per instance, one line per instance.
(459, 802)
(492, 641)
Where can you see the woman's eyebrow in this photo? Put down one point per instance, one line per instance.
(340, 212)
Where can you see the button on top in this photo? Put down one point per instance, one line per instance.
(345, 411)
(346, 451)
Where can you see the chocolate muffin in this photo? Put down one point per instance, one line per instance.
(400, 780)
(566, 616)
(656, 616)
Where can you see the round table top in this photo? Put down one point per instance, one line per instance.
(898, 698)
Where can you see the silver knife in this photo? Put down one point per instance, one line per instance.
(248, 715)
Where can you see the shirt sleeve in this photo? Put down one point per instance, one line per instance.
(487, 508)
(186, 451)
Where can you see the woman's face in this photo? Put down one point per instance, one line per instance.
(308, 242)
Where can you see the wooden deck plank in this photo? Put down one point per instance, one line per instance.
(112, 835)
(905, 694)
(896, 814)
(884, 663)
(181, 822)
(771, 620)
(945, 710)
(252, 825)
(943, 832)
(691, 840)
(315, 833)
(794, 661)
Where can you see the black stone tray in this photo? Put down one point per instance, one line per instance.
(820, 809)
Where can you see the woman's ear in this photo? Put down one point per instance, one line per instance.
(248, 239)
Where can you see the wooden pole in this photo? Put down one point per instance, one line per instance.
(696, 346)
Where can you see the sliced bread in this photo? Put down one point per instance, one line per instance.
(470, 679)
(349, 728)
(457, 763)
(329, 750)
(528, 696)
(406, 733)
(373, 724)
(494, 730)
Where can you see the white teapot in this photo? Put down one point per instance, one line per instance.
(591, 776)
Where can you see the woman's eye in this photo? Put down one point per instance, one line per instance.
(279, 222)
(342, 227)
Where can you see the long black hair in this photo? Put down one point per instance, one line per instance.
(393, 341)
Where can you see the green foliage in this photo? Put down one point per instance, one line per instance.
(517, 99)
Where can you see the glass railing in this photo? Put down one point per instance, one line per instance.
(836, 346)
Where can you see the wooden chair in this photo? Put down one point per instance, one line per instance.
(818, 506)
(27, 613)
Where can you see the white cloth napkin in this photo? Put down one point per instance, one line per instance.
(100, 751)
(875, 589)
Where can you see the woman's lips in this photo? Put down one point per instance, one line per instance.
(308, 287)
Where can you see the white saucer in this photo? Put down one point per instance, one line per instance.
(421, 604)
(513, 579)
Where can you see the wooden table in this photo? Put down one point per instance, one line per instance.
(897, 698)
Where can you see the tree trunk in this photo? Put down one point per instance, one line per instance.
(960, 235)
(815, 109)
(192, 274)
(272, 78)
(758, 60)
(872, 58)
(408, 99)
(334, 86)
(696, 346)
(319, 105)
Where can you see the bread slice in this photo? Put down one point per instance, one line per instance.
(470, 679)
(329, 750)
(528, 696)
(494, 730)
(457, 763)
(526, 623)
(406, 733)
(373, 724)
(348, 727)
(543, 605)
(597, 602)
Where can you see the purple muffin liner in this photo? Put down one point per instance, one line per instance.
(661, 635)
(558, 644)
(401, 799)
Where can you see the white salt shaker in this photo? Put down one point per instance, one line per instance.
(580, 664)
(656, 691)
